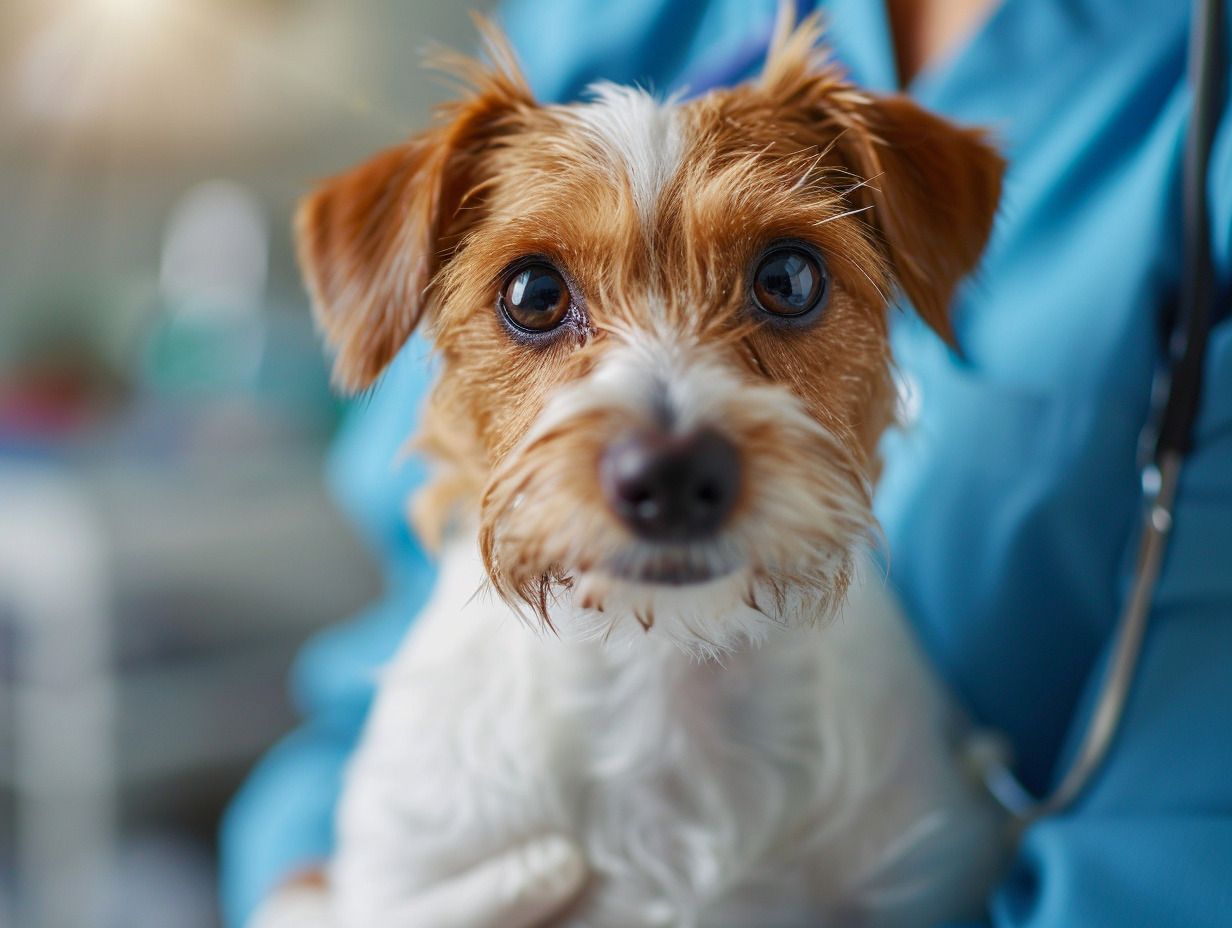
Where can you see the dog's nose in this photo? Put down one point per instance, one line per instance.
(671, 488)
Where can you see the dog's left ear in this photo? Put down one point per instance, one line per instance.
(934, 189)
(371, 240)
(932, 186)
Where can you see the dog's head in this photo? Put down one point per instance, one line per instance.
(664, 364)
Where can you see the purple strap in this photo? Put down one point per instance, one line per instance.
(741, 63)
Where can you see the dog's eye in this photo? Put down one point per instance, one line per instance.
(535, 298)
(790, 282)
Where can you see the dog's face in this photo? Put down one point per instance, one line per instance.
(664, 364)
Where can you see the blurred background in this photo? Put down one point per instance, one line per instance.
(166, 539)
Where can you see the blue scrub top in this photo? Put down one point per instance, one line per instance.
(1009, 500)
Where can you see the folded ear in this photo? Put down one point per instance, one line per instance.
(934, 189)
(367, 249)
(371, 240)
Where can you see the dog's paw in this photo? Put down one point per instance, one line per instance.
(299, 905)
(526, 886)
(521, 888)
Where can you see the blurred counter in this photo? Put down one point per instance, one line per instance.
(150, 605)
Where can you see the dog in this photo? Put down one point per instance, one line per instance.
(664, 368)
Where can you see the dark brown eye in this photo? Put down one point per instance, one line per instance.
(790, 281)
(535, 298)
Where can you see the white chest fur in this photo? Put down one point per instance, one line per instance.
(809, 781)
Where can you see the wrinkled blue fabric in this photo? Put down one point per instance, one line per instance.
(1009, 500)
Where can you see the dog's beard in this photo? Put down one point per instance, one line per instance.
(554, 551)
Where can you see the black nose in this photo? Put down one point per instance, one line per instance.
(671, 488)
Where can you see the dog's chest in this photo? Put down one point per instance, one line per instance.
(689, 778)
(767, 788)
(685, 783)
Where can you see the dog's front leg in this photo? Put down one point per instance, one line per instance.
(524, 887)
(453, 810)
(418, 849)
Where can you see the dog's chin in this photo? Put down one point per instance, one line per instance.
(707, 606)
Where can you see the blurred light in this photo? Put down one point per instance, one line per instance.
(55, 74)
(185, 77)
(92, 54)
(86, 55)
(128, 10)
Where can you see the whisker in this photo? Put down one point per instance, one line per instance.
(850, 212)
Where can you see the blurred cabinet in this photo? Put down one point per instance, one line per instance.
(148, 616)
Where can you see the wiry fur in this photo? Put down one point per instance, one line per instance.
(795, 575)
(722, 758)
(643, 135)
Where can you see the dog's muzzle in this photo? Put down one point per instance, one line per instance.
(668, 488)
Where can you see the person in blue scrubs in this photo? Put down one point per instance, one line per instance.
(1010, 497)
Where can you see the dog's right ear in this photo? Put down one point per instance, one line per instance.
(371, 240)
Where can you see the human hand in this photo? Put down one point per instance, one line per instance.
(521, 888)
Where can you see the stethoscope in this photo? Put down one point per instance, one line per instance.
(1166, 439)
(1168, 434)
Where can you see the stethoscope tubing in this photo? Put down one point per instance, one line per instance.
(1168, 436)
